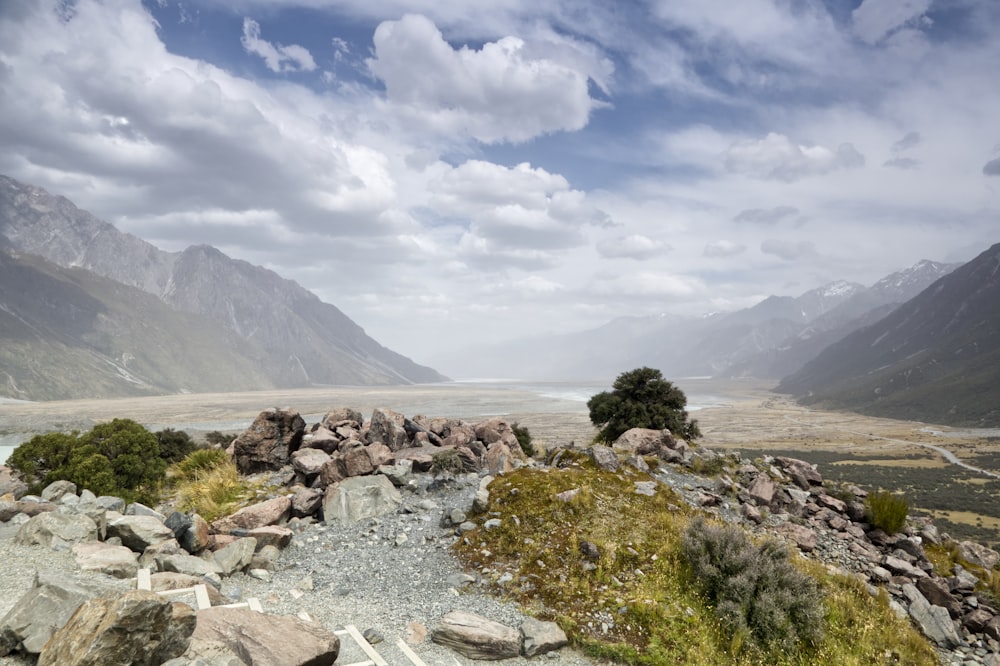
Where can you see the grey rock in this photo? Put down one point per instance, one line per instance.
(117, 561)
(139, 628)
(138, 532)
(112, 503)
(236, 556)
(604, 457)
(387, 427)
(188, 564)
(977, 554)
(56, 530)
(56, 490)
(360, 497)
(538, 637)
(933, 621)
(274, 640)
(477, 637)
(138, 509)
(400, 473)
(269, 512)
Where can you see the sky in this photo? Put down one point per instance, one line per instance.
(451, 173)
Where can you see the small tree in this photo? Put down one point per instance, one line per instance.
(641, 398)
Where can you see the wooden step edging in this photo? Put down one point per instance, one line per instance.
(202, 601)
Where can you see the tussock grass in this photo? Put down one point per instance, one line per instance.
(887, 510)
(635, 599)
(208, 483)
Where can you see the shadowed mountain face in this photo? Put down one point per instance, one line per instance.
(291, 337)
(936, 358)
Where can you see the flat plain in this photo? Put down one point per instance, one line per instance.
(925, 461)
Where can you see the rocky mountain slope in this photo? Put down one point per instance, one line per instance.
(70, 333)
(936, 358)
(288, 327)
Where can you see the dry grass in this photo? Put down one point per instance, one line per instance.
(212, 492)
(633, 600)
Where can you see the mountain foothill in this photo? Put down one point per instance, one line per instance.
(89, 311)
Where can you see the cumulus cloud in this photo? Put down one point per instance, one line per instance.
(723, 248)
(766, 216)
(788, 250)
(909, 140)
(633, 246)
(278, 58)
(776, 157)
(905, 163)
(874, 19)
(495, 93)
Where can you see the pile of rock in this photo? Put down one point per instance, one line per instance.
(788, 498)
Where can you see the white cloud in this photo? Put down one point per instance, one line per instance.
(788, 250)
(633, 246)
(278, 58)
(723, 248)
(769, 216)
(495, 93)
(650, 284)
(875, 19)
(777, 157)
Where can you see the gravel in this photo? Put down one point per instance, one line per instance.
(393, 575)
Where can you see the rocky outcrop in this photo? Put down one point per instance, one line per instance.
(267, 444)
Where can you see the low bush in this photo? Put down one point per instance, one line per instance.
(119, 458)
(523, 438)
(763, 602)
(886, 510)
(198, 462)
(447, 461)
(216, 438)
(174, 444)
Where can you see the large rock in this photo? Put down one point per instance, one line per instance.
(139, 628)
(139, 532)
(341, 416)
(236, 556)
(802, 536)
(309, 462)
(274, 640)
(11, 484)
(803, 474)
(762, 490)
(977, 554)
(56, 530)
(117, 561)
(604, 457)
(163, 581)
(477, 637)
(44, 608)
(188, 564)
(360, 497)
(538, 637)
(641, 441)
(388, 428)
(271, 535)
(56, 490)
(29, 508)
(270, 512)
(498, 459)
(933, 621)
(197, 536)
(269, 441)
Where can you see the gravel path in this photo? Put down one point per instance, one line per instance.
(389, 574)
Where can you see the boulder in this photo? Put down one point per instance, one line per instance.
(357, 462)
(139, 532)
(762, 490)
(306, 502)
(271, 535)
(56, 490)
(340, 416)
(236, 556)
(117, 561)
(275, 640)
(538, 637)
(388, 428)
(56, 530)
(50, 602)
(977, 554)
(803, 474)
(140, 509)
(604, 457)
(188, 564)
(163, 581)
(269, 441)
(360, 497)
(139, 628)
(937, 593)
(498, 459)
(399, 473)
(901, 567)
(641, 441)
(197, 536)
(933, 621)
(477, 637)
(11, 484)
(309, 462)
(320, 439)
(802, 536)
(10, 509)
(269, 512)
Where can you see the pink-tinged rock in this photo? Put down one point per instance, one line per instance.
(269, 441)
(333, 471)
(357, 462)
(321, 439)
(271, 535)
(387, 427)
(762, 490)
(274, 640)
(801, 536)
(642, 441)
(422, 458)
(459, 435)
(309, 462)
(498, 459)
(270, 512)
(379, 454)
(342, 415)
(831, 503)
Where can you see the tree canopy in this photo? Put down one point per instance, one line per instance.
(641, 398)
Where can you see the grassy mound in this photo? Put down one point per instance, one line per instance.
(608, 564)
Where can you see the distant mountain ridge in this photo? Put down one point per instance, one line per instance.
(936, 358)
(296, 339)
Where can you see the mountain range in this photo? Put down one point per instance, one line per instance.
(935, 358)
(160, 322)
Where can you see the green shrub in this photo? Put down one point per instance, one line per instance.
(641, 398)
(117, 458)
(761, 599)
(174, 444)
(886, 510)
(523, 438)
(447, 461)
(216, 438)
